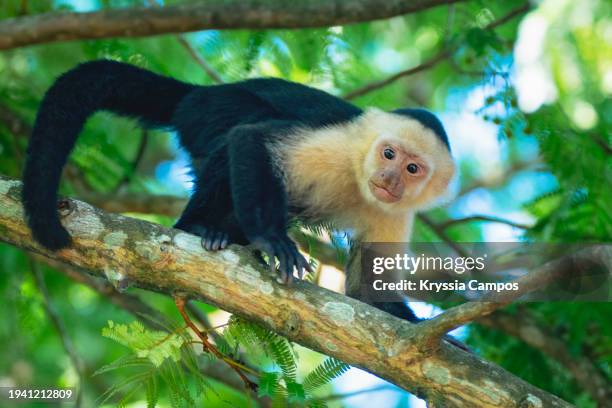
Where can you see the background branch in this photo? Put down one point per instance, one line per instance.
(552, 271)
(229, 14)
(486, 218)
(524, 327)
(433, 61)
(58, 323)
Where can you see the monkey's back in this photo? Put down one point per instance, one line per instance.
(209, 112)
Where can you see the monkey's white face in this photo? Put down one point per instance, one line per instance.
(407, 165)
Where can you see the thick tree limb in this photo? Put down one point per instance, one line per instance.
(150, 317)
(132, 304)
(129, 251)
(229, 14)
(173, 205)
(142, 203)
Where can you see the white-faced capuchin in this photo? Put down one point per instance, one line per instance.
(263, 151)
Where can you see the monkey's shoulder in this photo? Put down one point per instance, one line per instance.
(306, 104)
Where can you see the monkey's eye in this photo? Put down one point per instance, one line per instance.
(413, 168)
(389, 153)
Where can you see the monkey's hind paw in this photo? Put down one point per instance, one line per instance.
(289, 258)
(212, 238)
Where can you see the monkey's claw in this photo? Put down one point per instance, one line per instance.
(212, 239)
(289, 258)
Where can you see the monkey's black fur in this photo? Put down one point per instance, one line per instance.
(237, 197)
(224, 128)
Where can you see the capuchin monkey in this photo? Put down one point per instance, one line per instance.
(263, 151)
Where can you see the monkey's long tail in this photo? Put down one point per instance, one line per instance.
(99, 85)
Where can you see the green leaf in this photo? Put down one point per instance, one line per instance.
(154, 345)
(268, 383)
(296, 392)
(129, 360)
(329, 369)
(151, 392)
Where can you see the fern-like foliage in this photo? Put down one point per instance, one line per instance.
(324, 373)
(154, 345)
(258, 338)
(157, 357)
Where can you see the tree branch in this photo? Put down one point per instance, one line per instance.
(433, 61)
(14, 122)
(487, 218)
(132, 252)
(199, 59)
(441, 233)
(58, 323)
(229, 14)
(150, 317)
(173, 205)
(130, 303)
(505, 177)
(524, 327)
(551, 271)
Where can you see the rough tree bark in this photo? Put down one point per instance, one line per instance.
(129, 252)
(228, 14)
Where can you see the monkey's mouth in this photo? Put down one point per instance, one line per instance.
(382, 194)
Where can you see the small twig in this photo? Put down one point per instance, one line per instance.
(509, 16)
(441, 233)
(210, 348)
(199, 59)
(196, 56)
(23, 7)
(601, 143)
(57, 322)
(433, 61)
(135, 306)
(508, 174)
(335, 397)
(14, 122)
(485, 218)
(203, 320)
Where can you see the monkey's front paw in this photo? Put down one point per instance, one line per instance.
(289, 258)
